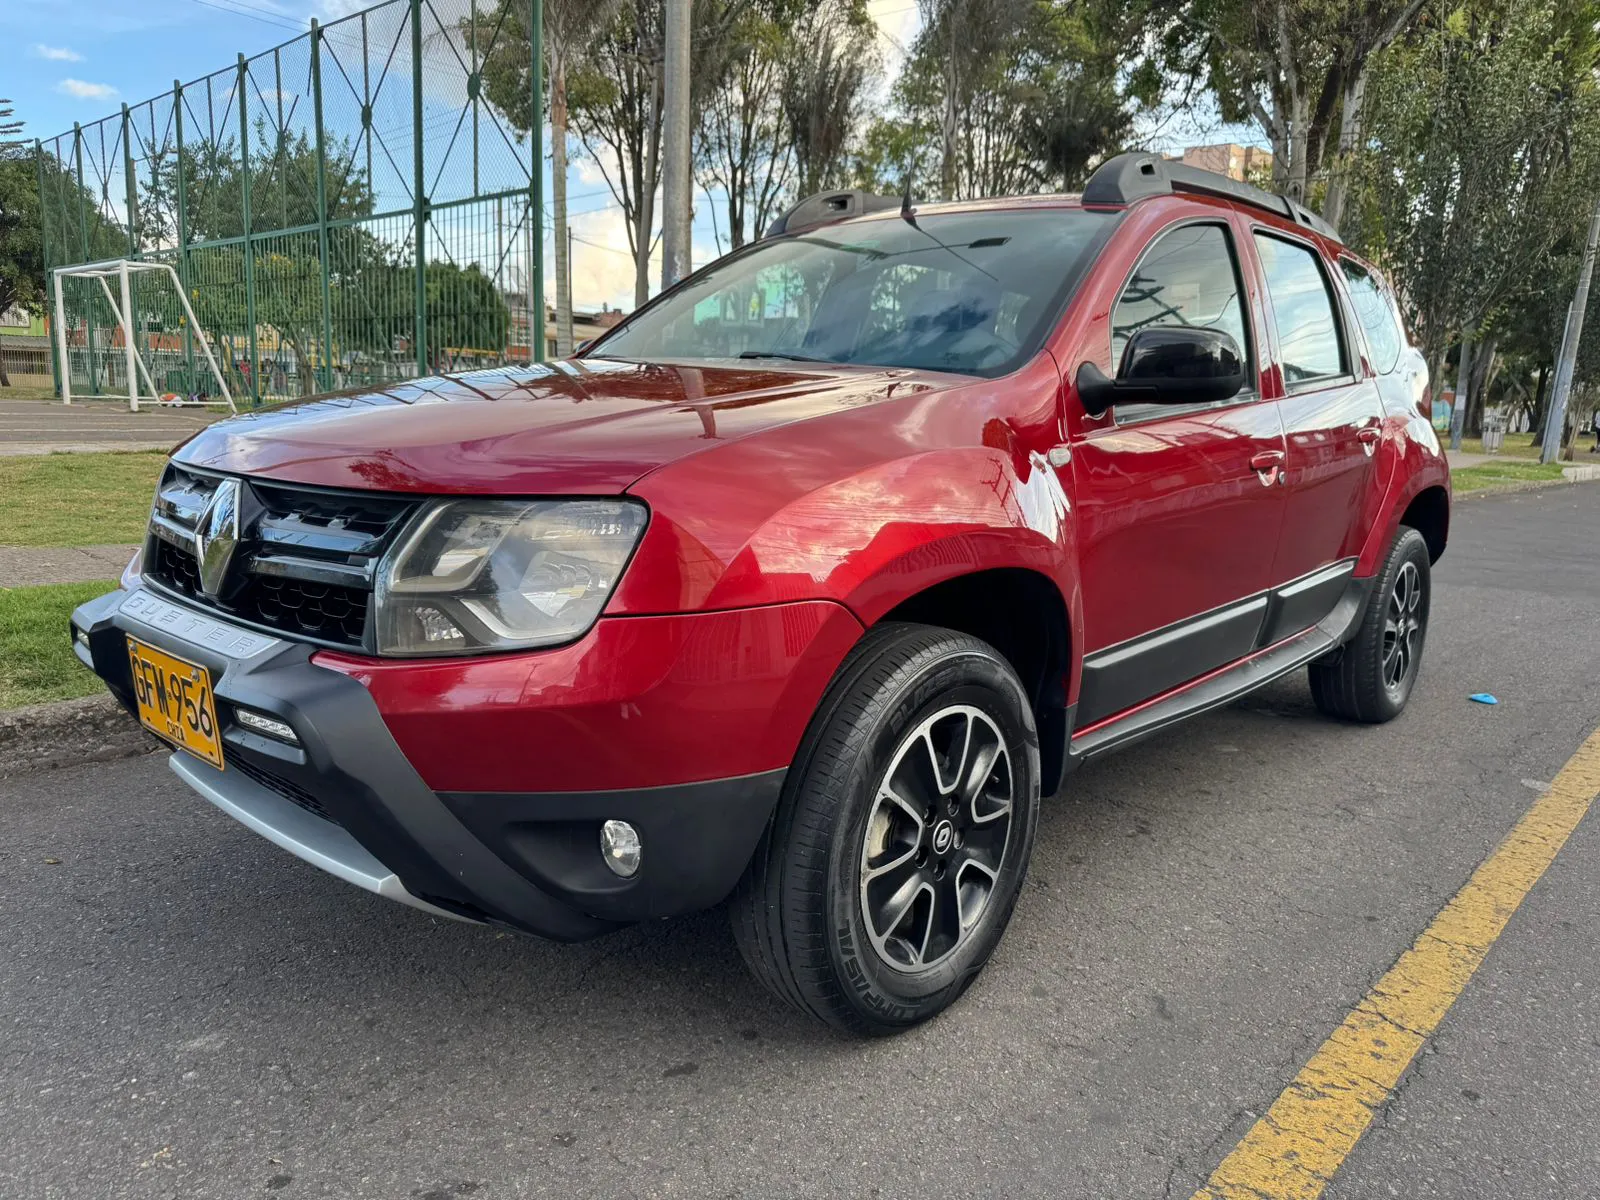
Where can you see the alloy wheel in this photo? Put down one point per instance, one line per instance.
(1402, 627)
(936, 838)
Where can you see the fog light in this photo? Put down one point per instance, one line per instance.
(80, 637)
(620, 847)
(262, 723)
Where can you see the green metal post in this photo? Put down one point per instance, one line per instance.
(536, 181)
(322, 207)
(83, 238)
(183, 230)
(419, 204)
(249, 246)
(44, 250)
(474, 87)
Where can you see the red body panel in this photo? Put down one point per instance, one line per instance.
(638, 702)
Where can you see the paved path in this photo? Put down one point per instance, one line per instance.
(189, 1012)
(47, 426)
(25, 566)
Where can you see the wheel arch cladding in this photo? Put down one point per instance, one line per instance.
(1023, 615)
(1429, 514)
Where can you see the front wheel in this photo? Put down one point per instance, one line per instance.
(1370, 678)
(900, 844)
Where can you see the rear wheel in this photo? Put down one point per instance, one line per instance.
(1370, 678)
(901, 841)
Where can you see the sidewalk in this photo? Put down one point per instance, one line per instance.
(48, 427)
(29, 566)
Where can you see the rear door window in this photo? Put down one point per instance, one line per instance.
(1375, 314)
(1310, 348)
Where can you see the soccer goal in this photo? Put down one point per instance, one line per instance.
(136, 351)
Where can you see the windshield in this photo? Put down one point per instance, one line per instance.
(973, 293)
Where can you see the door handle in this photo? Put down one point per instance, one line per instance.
(1268, 465)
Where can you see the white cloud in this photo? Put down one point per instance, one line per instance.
(86, 91)
(56, 53)
(602, 264)
(898, 23)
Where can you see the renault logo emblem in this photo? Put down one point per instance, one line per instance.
(216, 536)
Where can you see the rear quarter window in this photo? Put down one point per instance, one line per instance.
(1374, 312)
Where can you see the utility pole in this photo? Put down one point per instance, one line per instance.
(535, 222)
(676, 168)
(1555, 423)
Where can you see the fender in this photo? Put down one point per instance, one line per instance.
(1415, 463)
(866, 508)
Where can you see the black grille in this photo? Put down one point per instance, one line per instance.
(306, 559)
(291, 792)
(325, 611)
(176, 568)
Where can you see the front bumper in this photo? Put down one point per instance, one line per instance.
(348, 800)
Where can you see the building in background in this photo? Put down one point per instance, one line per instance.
(25, 347)
(586, 326)
(1244, 163)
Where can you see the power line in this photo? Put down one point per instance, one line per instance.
(270, 19)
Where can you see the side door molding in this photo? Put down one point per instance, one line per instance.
(1120, 677)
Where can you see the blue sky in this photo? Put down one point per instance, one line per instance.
(79, 60)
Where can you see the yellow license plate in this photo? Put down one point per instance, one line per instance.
(175, 701)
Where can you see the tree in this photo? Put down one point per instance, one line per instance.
(286, 269)
(1297, 68)
(502, 37)
(742, 145)
(822, 90)
(1482, 152)
(70, 211)
(21, 246)
(1023, 94)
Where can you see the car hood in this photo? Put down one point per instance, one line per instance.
(579, 426)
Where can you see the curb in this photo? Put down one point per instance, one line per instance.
(1583, 474)
(93, 729)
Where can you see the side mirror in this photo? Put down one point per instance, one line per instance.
(1181, 364)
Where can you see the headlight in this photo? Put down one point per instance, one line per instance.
(477, 575)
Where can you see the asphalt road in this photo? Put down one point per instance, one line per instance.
(186, 1011)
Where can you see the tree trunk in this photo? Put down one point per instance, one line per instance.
(558, 200)
(1540, 404)
(1349, 133)
(948, 159)
(1478, 386)
(5, 380)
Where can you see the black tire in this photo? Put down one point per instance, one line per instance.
(1364, 680)
(801, 913)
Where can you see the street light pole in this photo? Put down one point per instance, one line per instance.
(676, 169)
(1555, 423)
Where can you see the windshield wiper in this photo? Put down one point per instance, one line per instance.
(833, 362)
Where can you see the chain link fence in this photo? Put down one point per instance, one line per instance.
(344, 209)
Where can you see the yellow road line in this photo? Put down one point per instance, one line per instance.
(1292, 1152)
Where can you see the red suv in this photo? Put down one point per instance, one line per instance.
(807, 582)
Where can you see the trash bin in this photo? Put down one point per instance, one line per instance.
(1494, 435)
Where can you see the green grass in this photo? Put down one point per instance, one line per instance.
(1515, 445)
(76, 499)
(36, 659)
(1498, 476)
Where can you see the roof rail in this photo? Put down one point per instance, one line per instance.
(830, 206)
(1133, 176)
